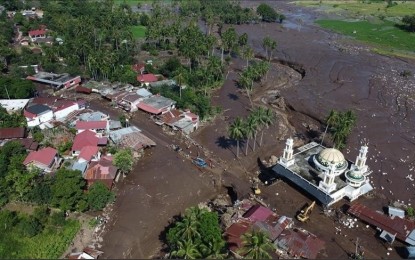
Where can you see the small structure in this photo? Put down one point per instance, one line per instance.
(145, 79)
(45, 159)
(81, 89)
(130, 101)
(64, 108)
(101, 127)
(56, 81)
(131, 137)
(299, 243)
(11, 133)
(184, 121)
(156, 105)
(28, 143)
(319, 171)
(25, 41)
(88, 252)
(144, 93)
(396, 212)
(89, 153)
(103, 171)
(14, 105)
(37, 34)
(392, 228)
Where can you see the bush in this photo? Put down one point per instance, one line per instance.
(29, 226)
(267, 13)
(57, 219)
(410, 212)
(98, 196)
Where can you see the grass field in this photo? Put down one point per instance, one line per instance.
(354, 8)
(383, 35)
(139, 31)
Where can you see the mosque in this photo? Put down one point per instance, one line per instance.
(324, 173)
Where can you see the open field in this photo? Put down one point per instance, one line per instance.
(386, 35)
(374, 8)
(139, 31)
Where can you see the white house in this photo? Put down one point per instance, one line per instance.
(61, 112)
(38, 114)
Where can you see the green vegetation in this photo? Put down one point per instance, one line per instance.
(268, 14)
(15, 88)
(359, 7)
(40, 235)
(67, 189)
(340, 125)
(196, 234)
(256, 245)
(384, 35)
(138, 31)
(99, 196)
(123, 160)
(11, 120)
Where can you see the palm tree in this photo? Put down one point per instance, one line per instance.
(248, 54)
(330, 120)
(250, 126)
(256, 245)
(215, 250)
(186, 250)
(187, 229)
(267, 119)
(180, 79)
(236, 132)
(257, 116)
(247, 83)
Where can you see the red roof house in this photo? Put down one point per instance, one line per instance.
(91, 125)
(40, 33)
(84, 139)
(103, 171)
(258, 213)
(300, 243)
(89, 153)
(44, 159)
(147, 78)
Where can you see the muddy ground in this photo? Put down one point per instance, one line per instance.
(330, 72)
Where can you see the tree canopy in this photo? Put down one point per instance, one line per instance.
(267, 13)
(98, 196)
(67, 189)
(11, 120)
(123, 160)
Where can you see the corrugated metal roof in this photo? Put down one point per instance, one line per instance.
(12, 133)
(396, 226)
(322, 197)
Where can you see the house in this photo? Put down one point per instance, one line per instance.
(36, 34)
(13, 105)
(144, 93)
(103, 171)
(184, 121)
(55, 80)
(131, 137)
(233, 235)
(37, 114)
(93, 116)
(89, 153)
(139, 68)
(145, 79)
(115, 125)
(130, 101)
(12, 133)
(86, 138)
(45, 159)
(88, 252)
(95, 126)
(28, 143)
(156, 104)
(299, 243)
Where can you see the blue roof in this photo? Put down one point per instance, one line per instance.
(302, 183)
(80, 166)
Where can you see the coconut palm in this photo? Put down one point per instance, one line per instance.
(247, 54)
(187, 229)
(256, 245)
(250, 126)
(215, 250)
(330, 120)
(186, 250)
(258, 116)
(236, 132)
(268, 119)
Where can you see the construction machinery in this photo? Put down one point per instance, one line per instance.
(305, 213)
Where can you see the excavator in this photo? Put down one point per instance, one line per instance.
(305, 213)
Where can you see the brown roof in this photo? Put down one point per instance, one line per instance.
(300, 243)
(101, 170)
(171, 116)
(136, 141)
(234, 232)
(29, 144)
(12, 133)
(131, 97)
(396, 226)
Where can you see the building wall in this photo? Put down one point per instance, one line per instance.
(46, 117)
(61, 114)
(74, 82)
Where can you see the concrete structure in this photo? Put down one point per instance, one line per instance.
(156, 104)
(131, 137)
(324, 173)
(130, 101)
(93, 116)
(13, 105)
(64, 109)
(56, 80)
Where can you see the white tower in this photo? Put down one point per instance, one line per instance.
(287, 158)
(328, 183)
(356, 176)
